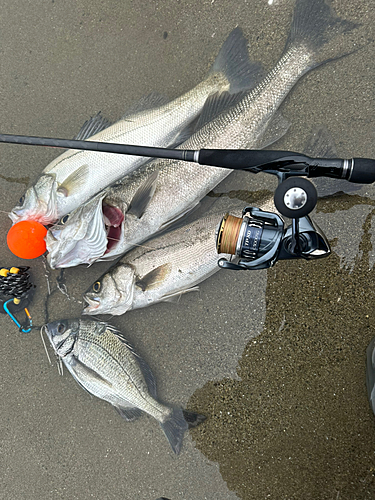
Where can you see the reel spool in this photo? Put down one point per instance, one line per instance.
(254, 238)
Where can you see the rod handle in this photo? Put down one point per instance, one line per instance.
(362, 171)
(245, 158)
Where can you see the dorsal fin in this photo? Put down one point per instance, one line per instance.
(92, 126)
(233, 61)
(216, 104)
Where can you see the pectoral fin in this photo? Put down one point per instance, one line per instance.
(85, 376)
(143, 196)
(154, 277)
(74, 182)
(146, 370)
(185, 134)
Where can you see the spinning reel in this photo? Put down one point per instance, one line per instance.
(260, 238)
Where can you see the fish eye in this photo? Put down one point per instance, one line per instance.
(21, 200)
(64, 219)
(96, 286)
(61, 328)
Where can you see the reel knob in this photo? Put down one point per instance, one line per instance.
(295, 197)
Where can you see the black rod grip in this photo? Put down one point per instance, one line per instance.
(362, 171)
(245, 158)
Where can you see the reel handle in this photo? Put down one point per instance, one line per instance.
(295, 197)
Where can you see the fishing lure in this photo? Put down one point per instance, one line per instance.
(15, 288)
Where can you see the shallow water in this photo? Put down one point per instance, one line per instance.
(275, 359)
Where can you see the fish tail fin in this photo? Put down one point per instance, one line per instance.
(317, 27)
(176, 424)
(234, 63)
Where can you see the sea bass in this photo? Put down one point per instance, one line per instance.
(75, 176)
(103, 362)
(174, 263)
(164, 190)
(166, 267)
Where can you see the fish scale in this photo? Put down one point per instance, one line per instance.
(175, 262)
(120, 367)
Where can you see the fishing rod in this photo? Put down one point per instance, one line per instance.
(259, 238)
(357, 170)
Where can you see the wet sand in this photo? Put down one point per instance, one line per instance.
(275, 359)
(297, 424)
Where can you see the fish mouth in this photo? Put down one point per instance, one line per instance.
(40, 213)
(85, 243)
(39, 202)
(93, 304)
(113, 218)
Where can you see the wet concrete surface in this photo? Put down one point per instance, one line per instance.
(275, 359)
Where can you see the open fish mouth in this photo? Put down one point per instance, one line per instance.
(85, 236)
(113, 219)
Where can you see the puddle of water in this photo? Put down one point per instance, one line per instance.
(298, 424)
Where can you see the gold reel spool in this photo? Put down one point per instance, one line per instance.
(228, 234)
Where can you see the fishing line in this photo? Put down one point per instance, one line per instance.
(43, 328)
(134, 244)
(60, 368)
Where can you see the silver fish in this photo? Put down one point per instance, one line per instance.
(164, 190)
(175, 263)
(103, 362)
(166, 267)
(75, 176)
